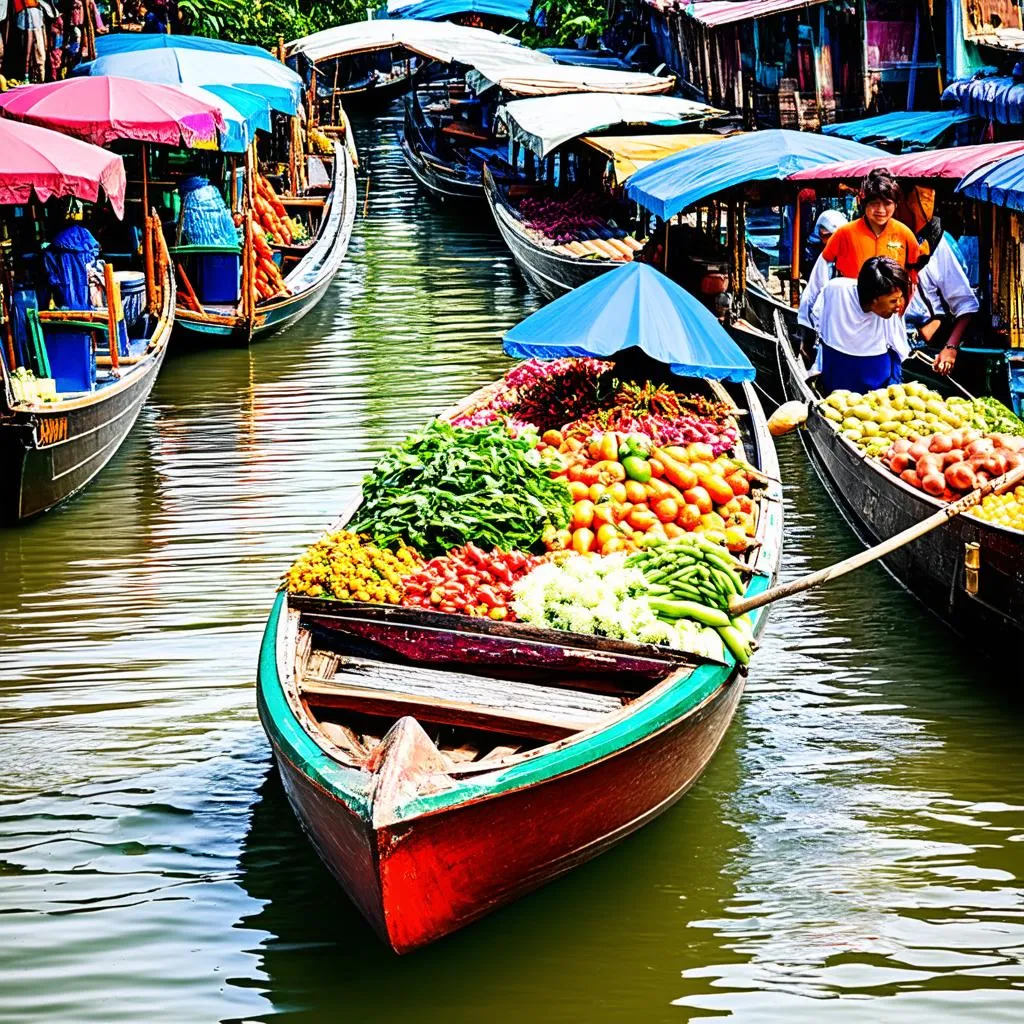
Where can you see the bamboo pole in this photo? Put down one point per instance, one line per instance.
(149, 260)
(292, 169)
(111, 285)
(188, 292)
(739, 606)
(794, 270)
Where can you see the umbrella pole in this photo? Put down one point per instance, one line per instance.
(794, 270)
(665, 267)
(147, 234)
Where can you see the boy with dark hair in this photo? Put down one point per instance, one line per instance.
(864, 337)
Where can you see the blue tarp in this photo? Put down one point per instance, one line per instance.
(277, 84)
(586, 58)
(910, 128)
(633, 305)
(130, 42)
(998, 98)
(435, 10)
(66, 262)
(1000, 183)
(253, 107)
(669, 186)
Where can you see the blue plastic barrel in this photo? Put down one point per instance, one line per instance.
(72, 363)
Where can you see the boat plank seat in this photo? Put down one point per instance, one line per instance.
(451, 698)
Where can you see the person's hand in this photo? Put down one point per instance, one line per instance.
(945, 361)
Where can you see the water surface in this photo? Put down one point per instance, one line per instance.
(854, 849)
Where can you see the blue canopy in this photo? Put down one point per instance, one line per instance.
(1001, 184)
(633, 305)
(668, 186)
(998, 98)
(253, 107)
(277, 84)
(586, 58)
(130, 42)
(909, 128)
(435, 10)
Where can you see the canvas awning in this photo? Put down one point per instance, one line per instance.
(545, 123)
(998, 98)
(553, 79)
(935, 163)
(1001, 183)
(429, 39)
(629, 153)
(714, 13)
(671, 185)
(906, 127)
(435, 10)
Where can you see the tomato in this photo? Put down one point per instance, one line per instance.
(613, 545)
(589, 475)
(617, 492)
(582, 514)
(575, 472)
(673, 530)
(583, 540)
(735, 539)
(579, 490)
(642, 518)
(553, 437)
(666, 509)
(571, 444)
(604, 512)
(657, 467)
(689, 517)
(700, 452)
(699, 496)
(717, 536)
(597, 492)
(719, 490)
(604, 447)
(685, 477)
(702, 469)
(606, 533)
(712, 521)
(635, 491)
(738, 482)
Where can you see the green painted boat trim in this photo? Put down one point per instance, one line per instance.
(349, 785)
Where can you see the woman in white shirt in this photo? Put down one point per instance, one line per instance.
(861, 326)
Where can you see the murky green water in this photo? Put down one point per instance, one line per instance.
(854, 850)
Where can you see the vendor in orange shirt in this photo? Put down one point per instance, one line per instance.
(875, 233)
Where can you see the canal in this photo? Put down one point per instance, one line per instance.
(855, 848)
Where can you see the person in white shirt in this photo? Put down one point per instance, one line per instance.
(861, 326)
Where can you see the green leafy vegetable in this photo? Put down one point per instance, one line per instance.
(447, 486)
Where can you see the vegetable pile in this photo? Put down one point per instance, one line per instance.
(578, 226)
(625, 488)
(873, 421)
(606, 597)
(1006, 510)
(469, 581)
(449, 485)
(273, 217)
(951, 464)
(346, 566)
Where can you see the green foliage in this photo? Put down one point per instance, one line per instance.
(262, 21)
(566, 21)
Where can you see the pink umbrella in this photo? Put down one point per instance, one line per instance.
(35, 160)
(101, 109)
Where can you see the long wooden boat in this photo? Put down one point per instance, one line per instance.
(50, 451)
(309, 278)
(443, 766)
(877, 504)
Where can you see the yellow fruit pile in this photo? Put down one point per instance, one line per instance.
(1003, 509)
(348, 567)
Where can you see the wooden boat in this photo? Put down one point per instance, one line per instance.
(48, 452)
(313, 265)
(877, 504)
(443, 766)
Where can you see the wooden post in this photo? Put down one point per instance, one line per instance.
(111, 285)
(334, 89)
(292, 172)
(794, 270)
(665, 261)
(734, 260)
(280, 48)
(150, 261)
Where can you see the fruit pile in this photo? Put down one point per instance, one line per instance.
(469, 581)
(951, 464)
(623, 488)
(873, 421)
(272, 216)
(1006, 510)
(267, 280)
(348, 567)
(578, 225)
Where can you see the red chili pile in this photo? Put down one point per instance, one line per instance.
(470, 581)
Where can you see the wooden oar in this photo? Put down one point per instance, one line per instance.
(738, 606)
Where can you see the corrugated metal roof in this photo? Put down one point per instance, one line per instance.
(936, 163)
(726, 12)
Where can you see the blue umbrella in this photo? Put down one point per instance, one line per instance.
(130, 42)
(277, 84)
(666, 187)
(633, 305)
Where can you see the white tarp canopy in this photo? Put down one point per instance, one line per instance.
(429, 39)
(544, 124)
(506, 72)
